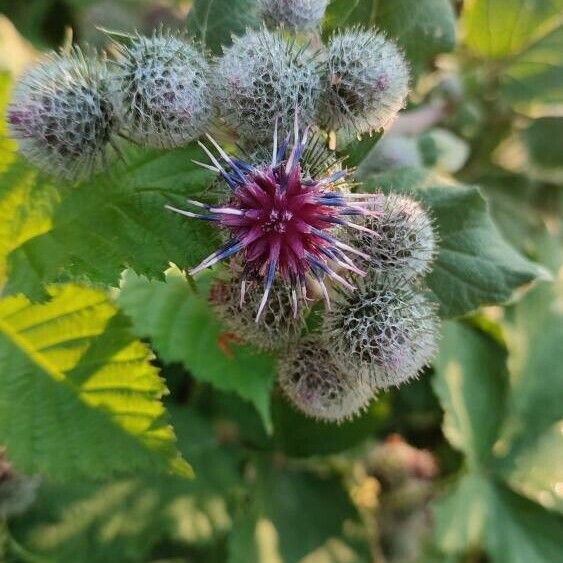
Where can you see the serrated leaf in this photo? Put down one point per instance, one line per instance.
(475, 266)
(78, 396)
(470, 382)
(214, 21)
(183, 329)
(118, 220)
(26, 206)
(123, 520)
(513, 529)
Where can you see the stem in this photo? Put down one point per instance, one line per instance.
(192, 283)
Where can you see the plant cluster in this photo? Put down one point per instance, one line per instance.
(293, 225)
(229, 415)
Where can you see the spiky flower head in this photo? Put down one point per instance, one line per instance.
(384, 332)
(295, 15)
(405, 242)
(320, 389)
(279, 223)
(366, 81)
(162, 89)
(280, 328)
(61, 114)
(262, 78)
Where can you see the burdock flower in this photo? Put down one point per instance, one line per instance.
(282, 223)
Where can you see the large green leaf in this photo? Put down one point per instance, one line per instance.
(475, 266)
(121, 521)
(527, 36)
(470, 383)
(214, 21)
(531, 446)
(513, 529)
(183, 329)
(291, 515)
(497, 28)
(117, 220)
(536, 74)
(78, 395)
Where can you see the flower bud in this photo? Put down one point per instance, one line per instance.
(162, 90)
(61, 115)
(383, 332)
(318, 387)
(366, 82)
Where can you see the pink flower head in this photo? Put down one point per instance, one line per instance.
(280, 222)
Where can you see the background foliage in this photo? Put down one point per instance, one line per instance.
(117, 383)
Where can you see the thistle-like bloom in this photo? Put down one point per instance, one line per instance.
(281, 223)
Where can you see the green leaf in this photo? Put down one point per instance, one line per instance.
(527, 37)
(461, 516)
(497, 28)
(78, 395)
(531, 446)
(214, 21)
(513, 529)
(183, 329)
(535, 76)
(475, 266)
(471, 385)
(26, 206)
(122, 521)
(118, 220)
(291, 515)
(424, 28)
(544, 142)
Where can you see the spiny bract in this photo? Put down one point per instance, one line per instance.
(281, 325)
(262, 78)
(384, 332)
(295, 15)
(61, 115)
(404, 243)
(366, 82)
(319, 388)
(280, 223)
(162, 90)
